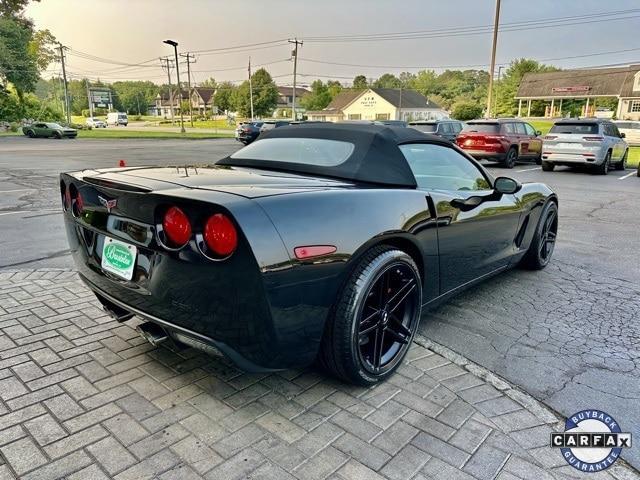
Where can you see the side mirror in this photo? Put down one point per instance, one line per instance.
(538, 132)
(622, 135)
(506, 185)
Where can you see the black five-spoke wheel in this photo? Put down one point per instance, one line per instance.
(375, 317)
(386, 321)
(544, 240)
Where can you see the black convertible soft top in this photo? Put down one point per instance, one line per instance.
(376, 157)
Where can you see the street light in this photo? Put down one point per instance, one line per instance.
(174, 44)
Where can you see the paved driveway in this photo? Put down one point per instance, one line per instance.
(568, 335)
(82, 397)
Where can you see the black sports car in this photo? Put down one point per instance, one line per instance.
(318, 241)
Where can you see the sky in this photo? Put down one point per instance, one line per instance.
(132, 31)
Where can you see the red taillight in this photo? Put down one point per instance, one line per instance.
(549, 137)
(246, 130)
(593, 139)
(220, 235)
(176, 227)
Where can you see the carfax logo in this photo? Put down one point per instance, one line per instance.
(592, 441)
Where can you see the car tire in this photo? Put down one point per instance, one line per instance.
(547, 166)
(544, 239)
(57, 135)
(365, 339)
(511, 158)
(622, 164)
(538, 160)
(31, 134)
(606, 165)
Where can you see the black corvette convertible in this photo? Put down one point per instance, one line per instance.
(315, 242)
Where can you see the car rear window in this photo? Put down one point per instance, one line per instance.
(578, 128)
(424, 127)
(482, 127)
(305, 151)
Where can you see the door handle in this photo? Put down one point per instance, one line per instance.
(466, 204)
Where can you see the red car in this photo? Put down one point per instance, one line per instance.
(505, 140)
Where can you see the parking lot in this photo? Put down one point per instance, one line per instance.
(569, 335)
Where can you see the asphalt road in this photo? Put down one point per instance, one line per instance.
(569, 335)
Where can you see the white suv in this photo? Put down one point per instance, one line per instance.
(590, 141)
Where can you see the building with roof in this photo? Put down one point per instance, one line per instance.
(379, 104)
(589, 85)
(285, 100)
(201, 102)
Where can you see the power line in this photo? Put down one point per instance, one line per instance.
(479, 29)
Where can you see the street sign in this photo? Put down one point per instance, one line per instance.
(100, 98)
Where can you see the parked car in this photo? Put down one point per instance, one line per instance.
(591, 141)
(48, 130)
(447, 129)
(630, 129)
(117, 118)
(259, 258)
(248, 132)
(504, 140)
(95, 123)
(393, 123)
(271, 124)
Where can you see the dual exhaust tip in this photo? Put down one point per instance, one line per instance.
(152, 333)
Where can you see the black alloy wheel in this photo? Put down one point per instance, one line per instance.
(57, 135)
(543, 244)
(511, 158)
(374, 319)
(622, 164)
(386, 321)
(31, 134)
(606, 165)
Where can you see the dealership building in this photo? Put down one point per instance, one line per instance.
(379, 104)
(622, 83)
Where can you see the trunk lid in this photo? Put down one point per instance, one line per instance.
(247, 182)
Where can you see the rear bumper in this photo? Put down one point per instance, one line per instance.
(483, 154)
(179, 333)
(572, 158)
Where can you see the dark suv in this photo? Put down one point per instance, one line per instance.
(504, 140)
(448, 129)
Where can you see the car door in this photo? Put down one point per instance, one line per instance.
(473, 240)
(620, 144)
(535, 142)
(523, 139)
(40, 130)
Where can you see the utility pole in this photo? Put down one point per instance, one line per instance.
(250, 90)
(166, 65)
(89, 99)
(188, 56)
(495, 97)
(66, 92)
(400, 106)
(295, 68)
(496, 23)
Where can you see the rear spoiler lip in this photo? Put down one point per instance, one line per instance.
(124, 186)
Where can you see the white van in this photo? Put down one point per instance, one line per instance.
(117, 118)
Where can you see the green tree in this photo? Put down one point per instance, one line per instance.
(507, 88)
(334, 88)
(265, 95)
(318, 98)
(13, 8)
(209, 83)
(134, 96)
(223, 98)
(466, 110)
(360, 82)
(17, 65)
(388, 80)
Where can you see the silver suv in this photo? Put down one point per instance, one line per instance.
(592, 142)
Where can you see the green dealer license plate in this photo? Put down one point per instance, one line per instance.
(119, 258)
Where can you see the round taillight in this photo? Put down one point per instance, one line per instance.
(220, 235)
(176, 227)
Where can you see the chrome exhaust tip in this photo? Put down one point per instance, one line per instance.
(152, 333)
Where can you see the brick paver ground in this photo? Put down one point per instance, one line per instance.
(83, 397)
